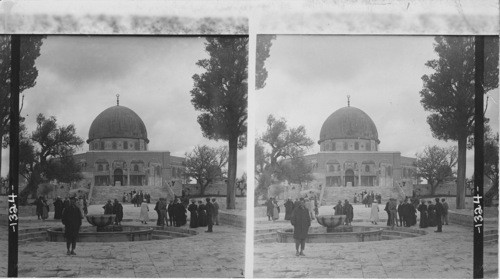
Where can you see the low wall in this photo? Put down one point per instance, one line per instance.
(460, 218)
(233, 219)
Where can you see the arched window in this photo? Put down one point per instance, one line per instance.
(369, 146)
(367, 168)
(102, 145)
(113, 145)
(99, 167)
(345, 145)
(136, 167)
(136, 145)
(356, 146)
(125, 144)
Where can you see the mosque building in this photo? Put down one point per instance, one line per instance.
(350, 161)
(119, 159)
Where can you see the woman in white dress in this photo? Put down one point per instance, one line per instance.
(374, 213)
(144, 217)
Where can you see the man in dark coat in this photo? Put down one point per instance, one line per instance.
(202, 215)
(402, 212)
(171, 214)
(118, 211)
(270, 208)
(301, 221)
(58, 208)
(431, 214)
(288, 209)
(348, 211)
(193, 208)
(422, 208)
(338, 208)
(386, 209)
(180, 213)
(210, 213)
(439, 215)
(72, 220)
(39, 207)
(108, 208)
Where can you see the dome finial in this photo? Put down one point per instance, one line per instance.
(117, 99)
(348, 100)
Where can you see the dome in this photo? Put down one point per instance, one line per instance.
(348, 123)
(118, 122)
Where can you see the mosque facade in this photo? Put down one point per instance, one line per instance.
(350, 157)
(119, 160)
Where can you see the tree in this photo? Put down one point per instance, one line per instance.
(449, 94)
(436, 165)
(221, 94)
(284, 142)
(30, 50)
(241, 184)
(43, 154)
(491, 166)
(264, 43)
(206, 165)
(296, 170)
(279, 142)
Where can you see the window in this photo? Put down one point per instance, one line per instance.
(136, 167)
(113, 145)
(125, 145)
(333, 146)
(356, 146)
(345, 145)
(99, 167)
(367, 168)
(102, 145)
(136, 145)
(369, 146)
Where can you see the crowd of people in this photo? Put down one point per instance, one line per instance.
(204, 214)
(367, 198)
(344, 209)
(273, 208)
(136, 198)
(43, 208)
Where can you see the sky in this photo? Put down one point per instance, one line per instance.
(310, 77)
(79, 77)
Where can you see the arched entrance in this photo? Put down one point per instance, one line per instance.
(118, 176)
(349, 177)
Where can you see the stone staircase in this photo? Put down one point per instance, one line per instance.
(332, 195)
(100, 194)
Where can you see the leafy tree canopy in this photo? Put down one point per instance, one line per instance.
(436, 165)
(206, 165)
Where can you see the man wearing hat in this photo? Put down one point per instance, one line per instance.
(72, 220)
(301, 221)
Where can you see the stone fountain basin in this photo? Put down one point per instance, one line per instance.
(331, 221)
(340, 234)
(90, 234)
(101, 220)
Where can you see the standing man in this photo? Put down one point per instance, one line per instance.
(58, 208)
(210, 213)
(72, 220)
(216, 212)
(193, 208)
(444, 220)
(118, 211)
(301, 221)
(348, 211)
(338, 208)
(108, 208)
(439, 214)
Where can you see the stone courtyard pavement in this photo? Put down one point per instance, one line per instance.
(218, 254)
(434, 255)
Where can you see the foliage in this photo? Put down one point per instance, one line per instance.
(448, 93)
(45, 189)
(296, 170)
(221, 94)
(491, 166)
(264, 43)
(276, 190)
(278, 143)
(206, 165)
(436, 165)
(30, 50)
(46, 155)
(241, 184)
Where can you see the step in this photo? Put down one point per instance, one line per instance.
(399, 233)
(264, 236)
(490, 237)
(259, 231)
(390, 237)
(170, 233)
(33, 239)
(161, 237)
(31, 235)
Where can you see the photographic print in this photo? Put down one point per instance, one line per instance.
(363, 160)
(132, 155)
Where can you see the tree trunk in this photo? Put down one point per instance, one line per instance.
(461, 161)
(231, 173)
